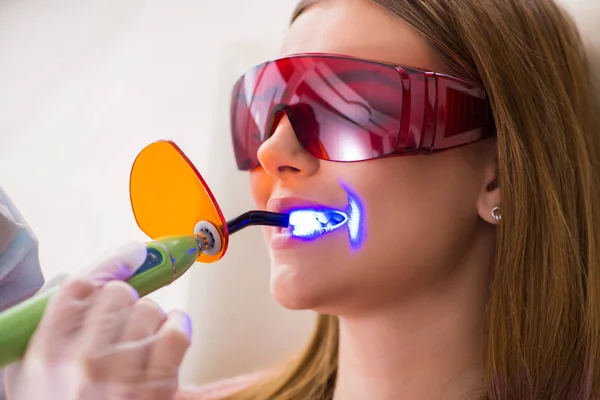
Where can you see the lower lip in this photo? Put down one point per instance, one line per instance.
(281, 239)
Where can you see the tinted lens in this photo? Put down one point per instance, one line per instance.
(169, 197)
(341, 109)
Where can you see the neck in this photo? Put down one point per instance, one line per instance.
(426, 348)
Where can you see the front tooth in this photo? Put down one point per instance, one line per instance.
(322, 218)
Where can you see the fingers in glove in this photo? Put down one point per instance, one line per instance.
(62, 320)
(106, 317)
(121, 265)
(172, 342)
(65, 310)
(136, 340)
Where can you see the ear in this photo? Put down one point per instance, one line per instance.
(488, 203)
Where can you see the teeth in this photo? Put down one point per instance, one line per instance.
(313, 223)
(322, 218)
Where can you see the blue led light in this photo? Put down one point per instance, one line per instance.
(356, 216)
(313, 223)
(354, 222)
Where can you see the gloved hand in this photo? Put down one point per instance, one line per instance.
(98, 340)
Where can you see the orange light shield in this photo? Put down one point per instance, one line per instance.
(169, 196)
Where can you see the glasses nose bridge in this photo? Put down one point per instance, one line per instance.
(282, 113)
(281, 151)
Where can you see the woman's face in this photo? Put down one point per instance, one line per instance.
(422, 219)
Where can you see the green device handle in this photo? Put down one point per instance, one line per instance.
(168, 258)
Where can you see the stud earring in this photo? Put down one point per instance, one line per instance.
(496, 214)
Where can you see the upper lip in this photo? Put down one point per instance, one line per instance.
(287, 204)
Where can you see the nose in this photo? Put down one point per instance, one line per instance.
(282, 155)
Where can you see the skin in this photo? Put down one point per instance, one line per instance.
(411, 300)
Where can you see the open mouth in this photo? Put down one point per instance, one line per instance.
(313, 223)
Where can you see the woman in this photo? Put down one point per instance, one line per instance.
(467, 273)
(472, 272)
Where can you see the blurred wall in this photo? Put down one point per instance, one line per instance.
(84, 86)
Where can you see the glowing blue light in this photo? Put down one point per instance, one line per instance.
(356, 228)
(312, 223)
(354, 223)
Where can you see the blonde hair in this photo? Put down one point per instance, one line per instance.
(543, 318)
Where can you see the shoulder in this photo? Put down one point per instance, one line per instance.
(218, 390)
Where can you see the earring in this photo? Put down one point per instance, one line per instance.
(496, 214)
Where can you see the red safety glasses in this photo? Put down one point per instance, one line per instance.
(347, 109)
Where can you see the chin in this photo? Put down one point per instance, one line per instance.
(312, 275)
(291, 287)
(321, 286)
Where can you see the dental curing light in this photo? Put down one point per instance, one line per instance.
(173, 205)
(168, 259)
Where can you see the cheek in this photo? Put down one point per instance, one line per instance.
(418, 213)
(417, 189)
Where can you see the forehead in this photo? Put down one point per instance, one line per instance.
(359, 28)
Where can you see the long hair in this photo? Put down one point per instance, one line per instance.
(543, 318)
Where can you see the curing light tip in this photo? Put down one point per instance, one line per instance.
(313, 223)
